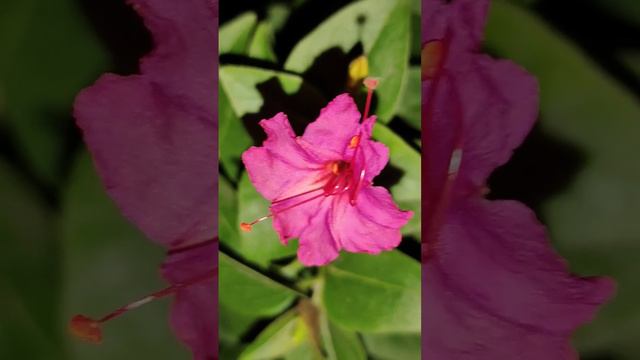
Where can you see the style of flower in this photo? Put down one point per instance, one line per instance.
(153, 138)
(320, 183)
(493, 288)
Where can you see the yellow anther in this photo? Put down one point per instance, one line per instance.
(355, 141)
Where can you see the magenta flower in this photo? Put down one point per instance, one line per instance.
(153, 138)
(320, 184)
(493, 288)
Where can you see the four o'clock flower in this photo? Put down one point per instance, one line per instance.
(493, 288)
(153, 138)
(320, 183)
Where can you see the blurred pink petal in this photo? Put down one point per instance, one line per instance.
(320, 184)
(493, 286)
(496, 290)
(194, 314)
(153, 138)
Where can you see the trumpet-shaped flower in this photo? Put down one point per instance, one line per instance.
(320, 184)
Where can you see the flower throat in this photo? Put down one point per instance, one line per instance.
(342, 176)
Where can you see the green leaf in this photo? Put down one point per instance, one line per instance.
(305, 351)
(584, 107)
(276, 340)
(49, 52)
(108, 263)
(233, 138)
(29, 272)
(288, 337)
(374, 293)
(232, 325)
(240, 83)
(261, 46)
(238, 97)
(382, 28)
(230, 352)
(228, 223)
(340, 343)
(410, 107)
(262, 244)
(344, 30)
(393, 346)
(248, 292)
(234, 36)
(389, 60)
(416, 30)
(407, 191)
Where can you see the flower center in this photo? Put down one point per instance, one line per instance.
(344, 177)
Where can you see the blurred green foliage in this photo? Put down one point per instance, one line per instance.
(49, 52)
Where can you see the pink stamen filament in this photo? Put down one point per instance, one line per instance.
(297, 195)
(248, 226)
(354, 194)
(88, 329)
(371, 85)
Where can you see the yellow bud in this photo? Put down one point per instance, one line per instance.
(358, 69)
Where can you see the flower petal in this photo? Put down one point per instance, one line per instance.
(454, 328)
(495, 272)
(280, 167)
(463, 21)
(317, 246)
(499, 107)
(337, 124)
(194, 310)
(494, 288)
(434, 19)
(291, 217)
(468, 23)
(376, 154)
(184, 60)
(480, 115)
(153, 136)
(156, 157)
(372, 225)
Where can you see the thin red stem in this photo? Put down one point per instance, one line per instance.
(368, 103)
